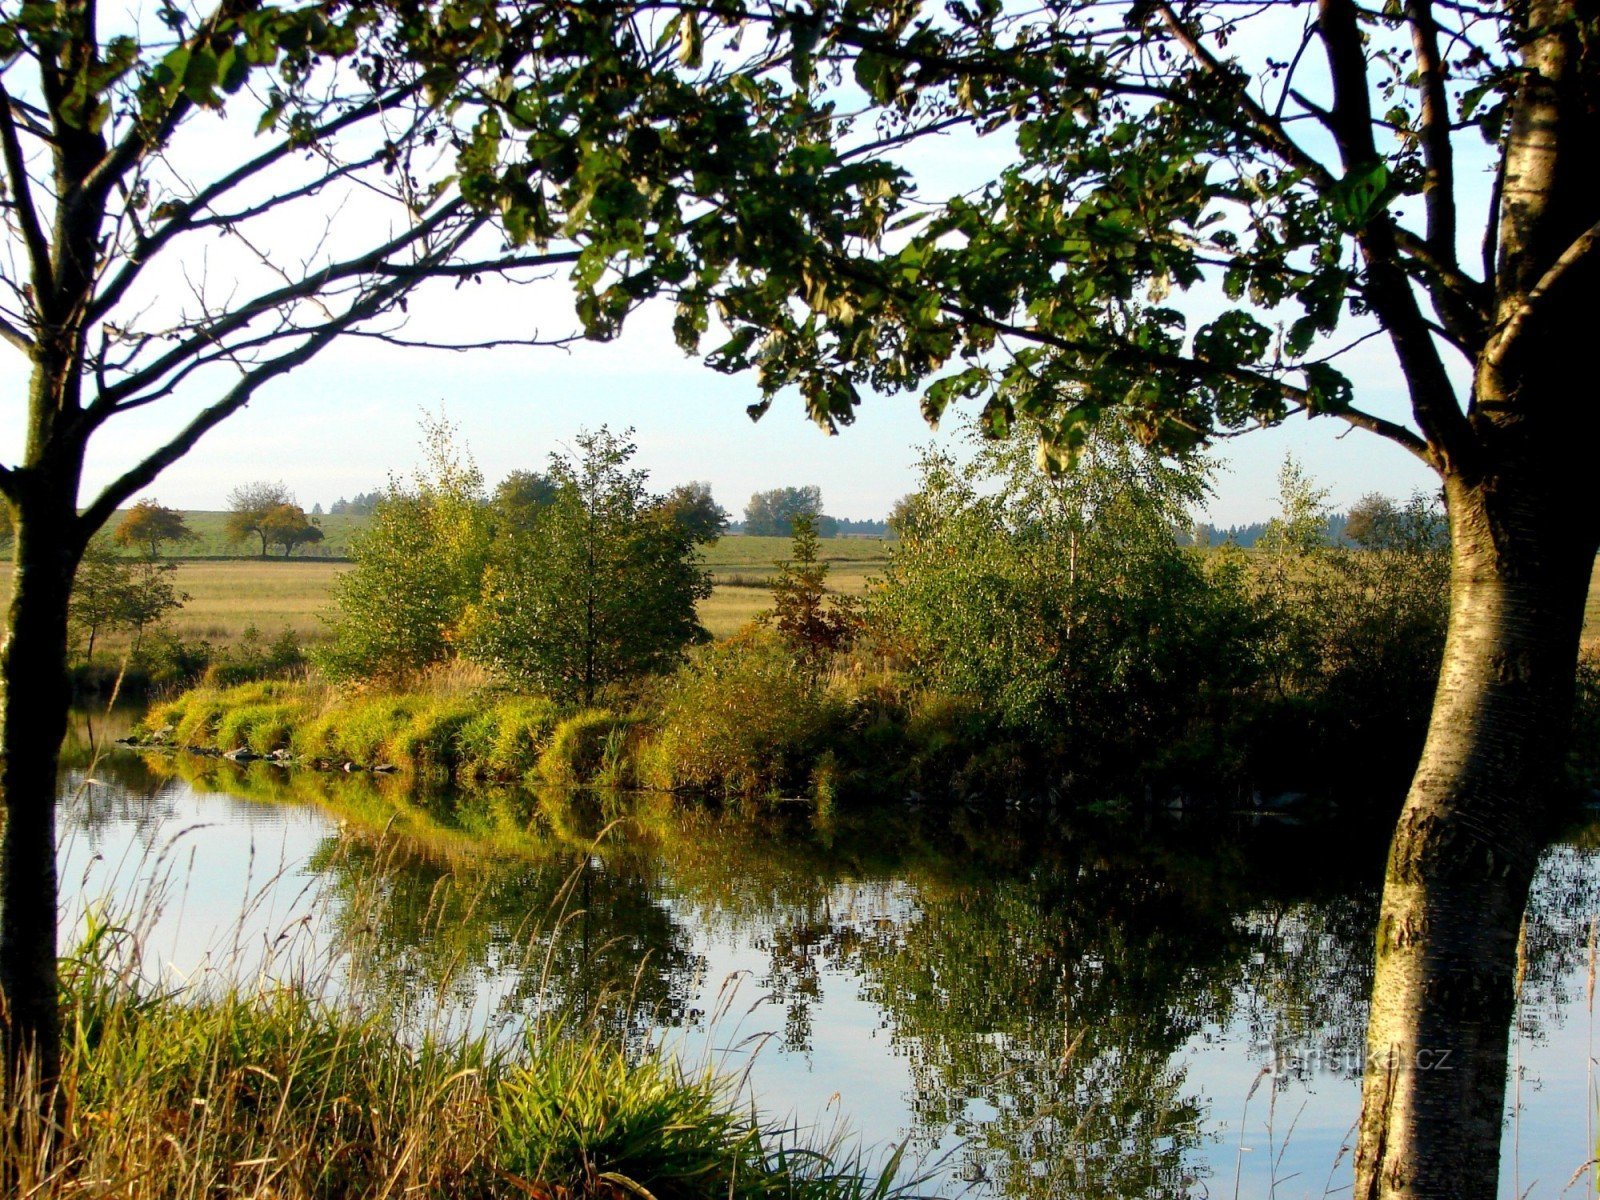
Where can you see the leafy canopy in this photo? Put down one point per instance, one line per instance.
(601, 587)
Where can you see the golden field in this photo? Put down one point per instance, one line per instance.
(226, 597)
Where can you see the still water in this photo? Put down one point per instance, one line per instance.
(1140, 1007)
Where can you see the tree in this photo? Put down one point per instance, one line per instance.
(1302, 521)
(148, 524)
(691, 505)
(249, 506)
(1063, 607)
(1376, 522)
(149, 596)
(810, 624)
(288, 526)
(519, 497)
(111, 590)
(1192, 216)
(773, 513)
(137, 276)
(602, 587)
(418, 564)
(100, 593)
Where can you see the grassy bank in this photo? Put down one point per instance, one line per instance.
(268, 1091)
(741, 719)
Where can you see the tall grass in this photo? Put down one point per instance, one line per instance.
(293, 1084)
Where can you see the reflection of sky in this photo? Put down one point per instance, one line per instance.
(222, 883)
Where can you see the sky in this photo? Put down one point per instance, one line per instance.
(343, 423)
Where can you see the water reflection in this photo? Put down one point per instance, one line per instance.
(1056, 1009)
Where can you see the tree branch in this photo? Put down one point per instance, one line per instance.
(141, 476)
(180, 221)
(16, 337)
(1433, 398)
(1463, 290)
(1573, 258)
(22, 194)
(1196, 369)
(1438, 188)
(306, 287)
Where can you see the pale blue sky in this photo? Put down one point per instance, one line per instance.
(341, 424)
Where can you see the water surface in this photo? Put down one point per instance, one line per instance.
(1038, 1007)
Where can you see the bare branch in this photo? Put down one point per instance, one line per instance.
(15, 336)
(142, 475)
(22, 194)
(181, 218)
(309, 285)
(392, 339)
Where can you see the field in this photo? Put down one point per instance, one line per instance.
(227, 597)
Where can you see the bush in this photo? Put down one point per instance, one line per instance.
(506, 740)
(589, 747)
(1064, 607)
(741, 719)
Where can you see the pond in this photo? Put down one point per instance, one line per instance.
(1150, 1006)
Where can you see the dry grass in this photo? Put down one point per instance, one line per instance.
(227, 597)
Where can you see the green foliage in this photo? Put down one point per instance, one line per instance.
(583, 1115)
(588, 747)
(601, 587)
(249, 506)
(111, 592)
(226, 1088)
(419, 563)
(288, 526)
(1376, 522)
(810, 624)
(774, 513)
(1302, 521)
(147, 524)
(1062, 604)
(519, 497)
(692, 507)
(739, 719)
(1355, 635)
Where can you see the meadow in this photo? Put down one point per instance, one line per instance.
(229, 596)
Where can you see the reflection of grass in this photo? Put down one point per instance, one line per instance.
(268, 1091)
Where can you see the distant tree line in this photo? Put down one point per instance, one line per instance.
(362, 504)
(778, 512)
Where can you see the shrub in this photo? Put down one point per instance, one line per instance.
(740, 718)
(1064, 606)
(505, 741)
(600, 586)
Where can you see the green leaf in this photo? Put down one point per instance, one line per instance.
(1360, 195)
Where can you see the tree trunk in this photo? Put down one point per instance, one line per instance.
(33, 722)
(1466, 846)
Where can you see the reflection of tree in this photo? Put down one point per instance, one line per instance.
(1043, 983)
(565, 931)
